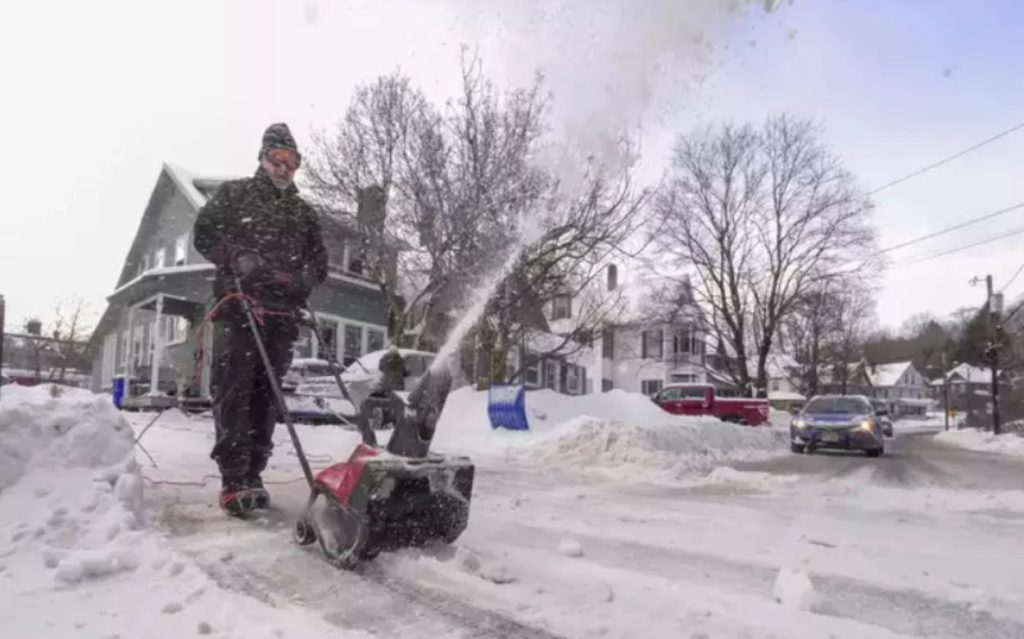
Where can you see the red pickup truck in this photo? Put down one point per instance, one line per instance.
(701, 399)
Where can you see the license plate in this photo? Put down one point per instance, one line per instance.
(830, 437)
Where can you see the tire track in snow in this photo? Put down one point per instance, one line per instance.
(259, 559)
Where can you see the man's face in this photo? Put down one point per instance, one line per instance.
(280, 165)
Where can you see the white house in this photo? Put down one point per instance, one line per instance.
(900, 386)
(633, 351)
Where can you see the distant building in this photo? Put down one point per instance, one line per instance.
(969, 387)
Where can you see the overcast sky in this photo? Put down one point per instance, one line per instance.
(97, 95)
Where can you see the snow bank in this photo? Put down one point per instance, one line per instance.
(76, 556)
(974, 439)
(58, 427)
(615, 430)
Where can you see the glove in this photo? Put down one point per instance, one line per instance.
(250, 271)
(291, 284)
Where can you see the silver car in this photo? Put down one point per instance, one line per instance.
(844, 422)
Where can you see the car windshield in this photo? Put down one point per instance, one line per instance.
(837, 405)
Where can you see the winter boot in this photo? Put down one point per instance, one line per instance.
(236, 499)
(260, 496)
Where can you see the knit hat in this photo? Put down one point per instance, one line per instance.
(278, 136)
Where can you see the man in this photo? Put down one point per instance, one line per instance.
(261, 231)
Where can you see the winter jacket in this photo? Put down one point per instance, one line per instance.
(252, 219)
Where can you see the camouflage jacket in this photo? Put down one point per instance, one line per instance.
(252, 216)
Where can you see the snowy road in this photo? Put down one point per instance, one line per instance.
(918, 543)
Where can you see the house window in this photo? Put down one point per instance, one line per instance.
(561, 307)
(353, 343)
(174, 330)
(531, 373)
(551, 374)
(160, 257)
(144, 265)
(613, 277)
(572, 379)
(329, 331)
(374, 340)
(652, 344)
(124, 348)
(650, 386)
(775, 385)
(606, 385)
(608, 345)
(181, 250)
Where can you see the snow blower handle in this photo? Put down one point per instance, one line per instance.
(369, 438)
(275, 387)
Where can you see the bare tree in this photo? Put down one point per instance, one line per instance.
(760, 217)
(583, 232)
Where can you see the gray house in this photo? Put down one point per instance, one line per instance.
(148, 333)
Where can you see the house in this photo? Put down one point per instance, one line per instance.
(783, 389)
(969, 387)
(149, 333)
(900, 387)
(897, 385)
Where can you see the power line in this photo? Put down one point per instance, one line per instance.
(949, 229)
(966, 246)
(959, 154)
(1010, 281)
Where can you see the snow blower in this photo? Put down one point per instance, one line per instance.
(381, 500)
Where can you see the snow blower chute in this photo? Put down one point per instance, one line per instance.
(381, 499)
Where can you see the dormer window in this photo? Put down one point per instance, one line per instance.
(561, 307)
(613, 277)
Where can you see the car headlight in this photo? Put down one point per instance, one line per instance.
(799, 423)
(866, 425)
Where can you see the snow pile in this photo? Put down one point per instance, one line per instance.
(68, 473)
(793, 589)
(614, 430)
(76, 556)
(690, 445)
(58, 427)
(974, 439)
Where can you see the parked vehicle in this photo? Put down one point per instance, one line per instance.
(316, 398)
(303, 369)
(882, 413)
(703, 399)
(845, 422)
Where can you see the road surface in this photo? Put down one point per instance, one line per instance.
(924, 541)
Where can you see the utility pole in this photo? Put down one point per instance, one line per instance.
(994, 308)
(945, 391)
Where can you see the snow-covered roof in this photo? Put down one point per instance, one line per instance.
(165, 270)
(887, 374)
(190, 184)
(785, 396)
(777, 366)
(967, 372)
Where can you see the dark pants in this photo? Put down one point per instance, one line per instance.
(244, 408)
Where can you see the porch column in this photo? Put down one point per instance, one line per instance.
(131, 352)
(158, 346)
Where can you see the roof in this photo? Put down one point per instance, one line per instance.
(887, 374)
(972, 373)
(785, 396)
